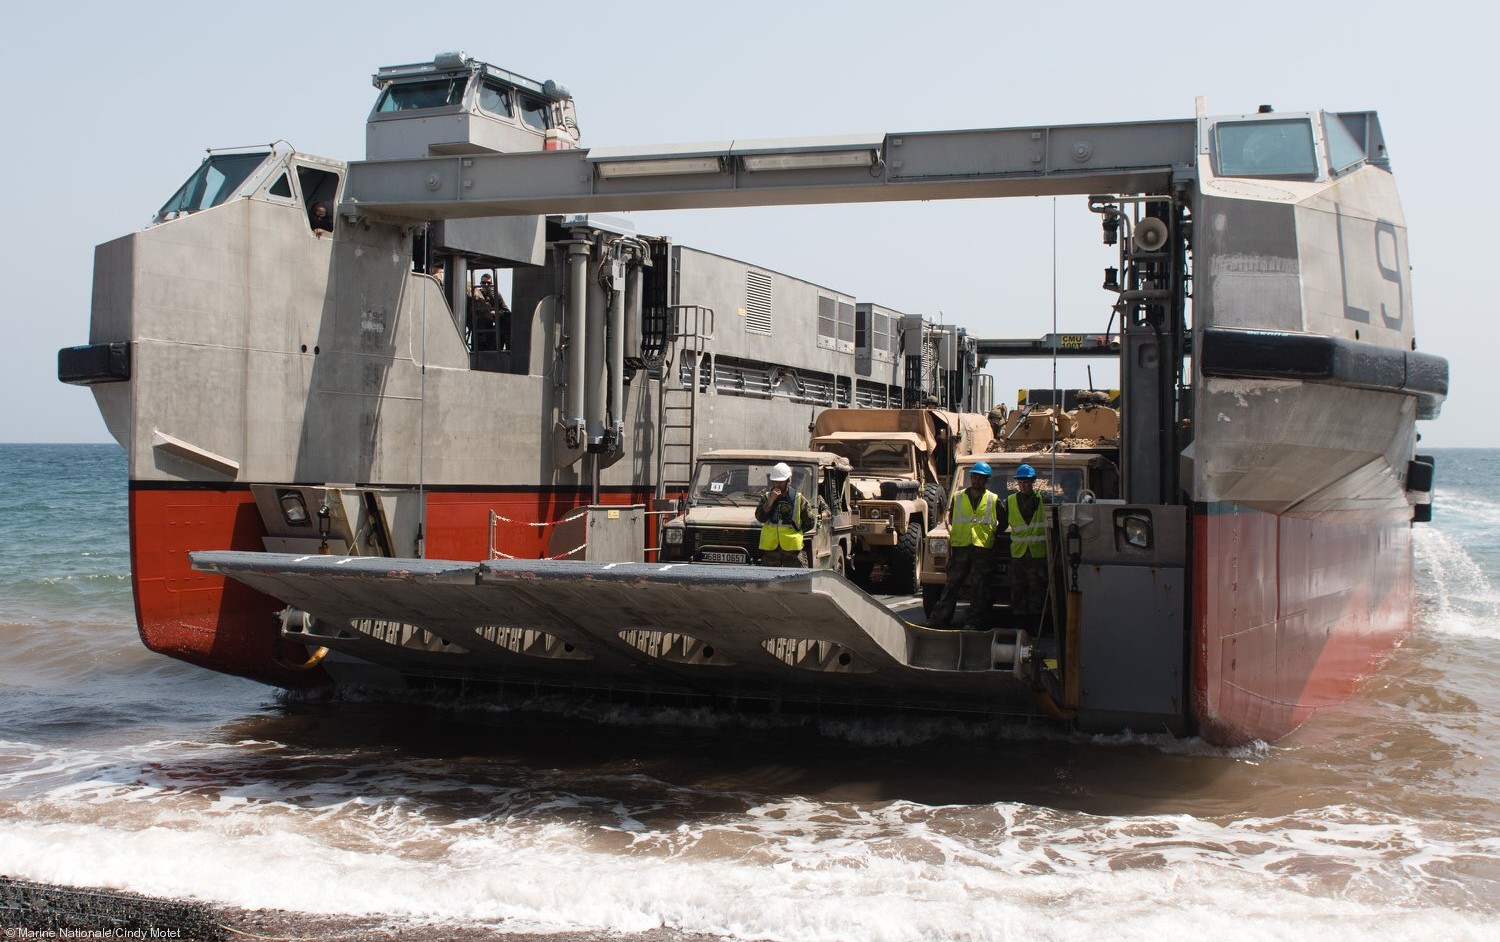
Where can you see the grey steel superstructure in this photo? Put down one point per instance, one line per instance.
(1268, 367)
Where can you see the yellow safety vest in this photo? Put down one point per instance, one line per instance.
(974, 526)
(1027, 537)
(784, 534)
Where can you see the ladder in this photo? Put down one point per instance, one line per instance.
(687, 357)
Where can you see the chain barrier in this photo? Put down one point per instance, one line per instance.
(498, 518)
(501, 554)
(496, 553)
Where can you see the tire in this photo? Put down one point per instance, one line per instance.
(931, 592)
(933, 495)
(906, 561)
(840, 562)
(857, 572)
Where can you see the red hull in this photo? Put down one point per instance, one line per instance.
(222, 625)
(1290, 614)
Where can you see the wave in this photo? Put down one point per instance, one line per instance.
(262, 826)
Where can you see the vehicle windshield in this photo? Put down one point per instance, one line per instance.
(874, 459)
(741, 483)
(433, 93)
(1061, 489)
(212, 183)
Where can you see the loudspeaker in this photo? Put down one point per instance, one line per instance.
(1150, 234)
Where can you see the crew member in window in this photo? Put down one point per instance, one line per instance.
(320, 219)
(490, 316)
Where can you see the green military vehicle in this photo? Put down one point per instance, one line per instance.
(718, 522)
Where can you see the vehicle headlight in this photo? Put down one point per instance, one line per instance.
(673, 536)
(938, 545)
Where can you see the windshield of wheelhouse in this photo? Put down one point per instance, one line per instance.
(212, 183)
(413, 96)
(1265, 148)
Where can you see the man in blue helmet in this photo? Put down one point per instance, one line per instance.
(1026, 518)
(974, 516)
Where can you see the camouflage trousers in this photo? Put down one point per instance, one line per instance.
(968, 571)
(1028, 590)
(796, 559)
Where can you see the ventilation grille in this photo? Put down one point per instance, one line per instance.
(835, 324)
(732, 376)
(868, 395)
(757, 302)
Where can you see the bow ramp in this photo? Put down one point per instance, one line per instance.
(721, 631)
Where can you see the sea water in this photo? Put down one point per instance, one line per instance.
(124, 769)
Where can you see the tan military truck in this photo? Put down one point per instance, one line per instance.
(718, 522)
(900, 459)
(1062, 478)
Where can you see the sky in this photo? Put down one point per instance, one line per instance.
(117, 102)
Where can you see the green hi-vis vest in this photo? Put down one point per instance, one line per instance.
(974, 526)
(782, 531)
(1027, 537)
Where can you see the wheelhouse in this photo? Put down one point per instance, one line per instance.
(465, 106)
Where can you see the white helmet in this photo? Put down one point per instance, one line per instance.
(782, 472)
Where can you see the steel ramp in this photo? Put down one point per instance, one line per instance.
(722, 631)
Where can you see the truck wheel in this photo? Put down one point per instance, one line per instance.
(906, 560)
(933, 494)
(931, 592)
(840, 562)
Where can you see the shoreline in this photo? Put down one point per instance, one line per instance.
(33, 912)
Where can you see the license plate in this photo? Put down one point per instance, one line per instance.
(732, 558)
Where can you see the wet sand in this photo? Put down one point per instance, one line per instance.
(40, 911)
(286, 926)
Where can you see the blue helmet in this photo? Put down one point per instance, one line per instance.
(1025, 473)
(981, 467)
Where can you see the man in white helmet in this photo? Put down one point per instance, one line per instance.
(784, 516)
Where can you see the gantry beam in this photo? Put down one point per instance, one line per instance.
(1052, 345)
(1135, 157)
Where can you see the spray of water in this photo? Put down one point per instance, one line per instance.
(1457, 596)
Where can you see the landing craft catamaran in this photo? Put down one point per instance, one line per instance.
(322, 425)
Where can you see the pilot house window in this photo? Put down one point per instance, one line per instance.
(495, 98)
(1343, 150)
(1266, 148)
(213, 182)
(434, 93)
(534, 112)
